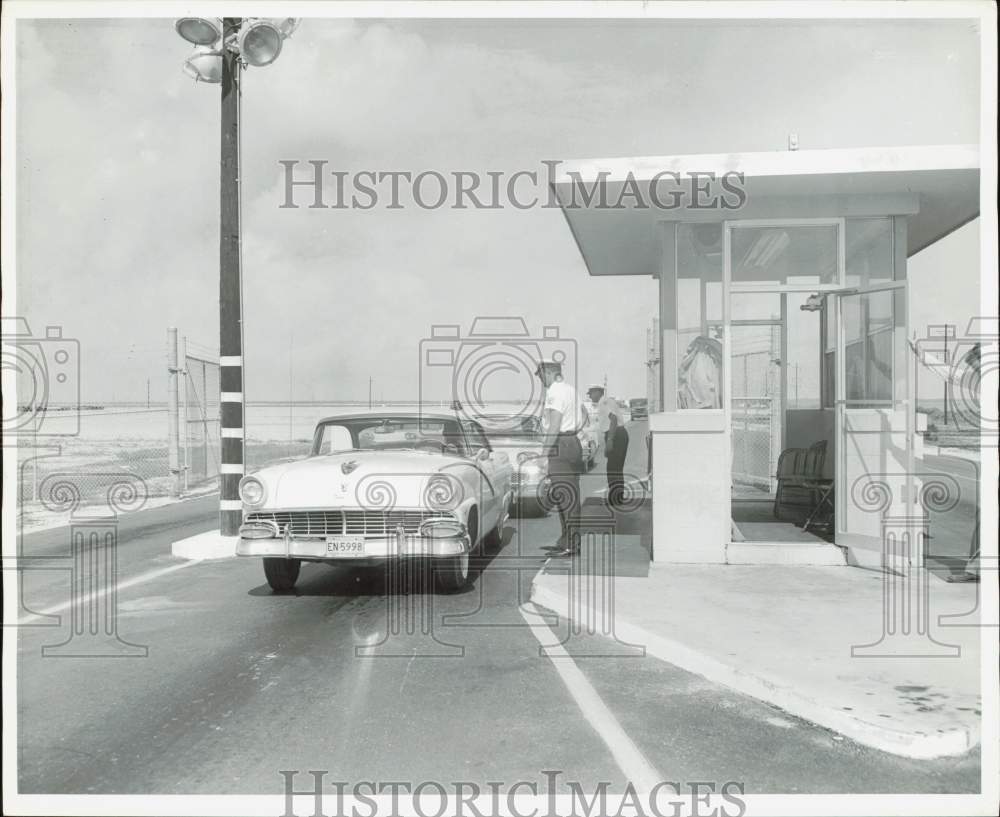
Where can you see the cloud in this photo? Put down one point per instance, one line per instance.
(118, 173)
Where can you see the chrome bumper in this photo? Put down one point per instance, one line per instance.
(263, 539)
(527, 491)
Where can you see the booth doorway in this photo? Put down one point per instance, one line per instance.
(781, 433)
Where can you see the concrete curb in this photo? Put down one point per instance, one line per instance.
(208, 545)
(772, 690)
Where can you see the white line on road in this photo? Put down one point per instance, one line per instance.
(630, 759)
(140, 579)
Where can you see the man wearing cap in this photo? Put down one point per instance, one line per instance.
(609, 418)
(560, 424)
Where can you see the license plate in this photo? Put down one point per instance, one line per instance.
(345, 545)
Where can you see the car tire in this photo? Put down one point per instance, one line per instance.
(526, 509)
(282, 573)
(451, 574)
(494, 539)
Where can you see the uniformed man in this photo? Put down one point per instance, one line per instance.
(560, 424)
(609, 418)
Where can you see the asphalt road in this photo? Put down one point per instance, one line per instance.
(240, 683)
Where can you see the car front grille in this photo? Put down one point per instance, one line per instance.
(375, 524)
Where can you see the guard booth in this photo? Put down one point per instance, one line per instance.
(786, 429)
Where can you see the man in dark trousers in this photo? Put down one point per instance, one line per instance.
(560, 423)
(609, 417)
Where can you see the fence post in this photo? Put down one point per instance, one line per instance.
(173, 438)
(184, 416)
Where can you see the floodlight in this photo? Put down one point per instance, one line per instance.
(204, 65)
(288, 25)
(260, 42)
(200, 30)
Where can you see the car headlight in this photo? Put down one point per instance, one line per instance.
(443, 492)
(532, 464)
(442, 528)
(252, 491)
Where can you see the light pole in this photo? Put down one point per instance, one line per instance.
(222, 48)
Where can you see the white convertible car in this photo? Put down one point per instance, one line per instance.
(379, 486)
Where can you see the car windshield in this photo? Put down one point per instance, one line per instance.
(390, 434)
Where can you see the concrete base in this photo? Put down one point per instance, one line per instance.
(785, 553)
(806, 639)
(208, 545)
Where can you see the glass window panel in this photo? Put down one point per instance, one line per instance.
(870, 338)
(868, 243)
(699, 251)
(799, 255)
(699, 304)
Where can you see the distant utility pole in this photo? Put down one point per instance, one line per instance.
(946, 361)
(147, 392)
(369, 392)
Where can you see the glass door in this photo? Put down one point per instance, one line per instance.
(874, 417)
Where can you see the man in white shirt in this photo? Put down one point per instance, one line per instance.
(609, 418)
(560, 423)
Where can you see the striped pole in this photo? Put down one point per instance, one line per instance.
(230, 300)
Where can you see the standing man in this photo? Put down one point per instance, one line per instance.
(609, 417)
(560, 424)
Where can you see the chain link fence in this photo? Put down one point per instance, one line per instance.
(756, 406)
(199, 420)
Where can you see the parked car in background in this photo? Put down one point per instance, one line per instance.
(638, 408)
(376, 487)
(521, 438)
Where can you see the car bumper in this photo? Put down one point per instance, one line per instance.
(381, 548)
(527, 491)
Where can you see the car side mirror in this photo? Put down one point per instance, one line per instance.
(483, 454)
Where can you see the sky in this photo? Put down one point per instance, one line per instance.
(117, 185)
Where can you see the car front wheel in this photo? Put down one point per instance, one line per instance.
(282, 573)
(452, 573)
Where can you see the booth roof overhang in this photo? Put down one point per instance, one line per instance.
(940, 181)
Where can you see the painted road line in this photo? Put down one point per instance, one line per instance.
(87, 598)
(630, 759)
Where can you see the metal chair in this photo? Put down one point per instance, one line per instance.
(799, 473)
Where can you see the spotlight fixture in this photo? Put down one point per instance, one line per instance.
(200, 30)
(204, 65)
(258, 42)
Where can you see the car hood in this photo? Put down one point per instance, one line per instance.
(377, 480)
(513, 446)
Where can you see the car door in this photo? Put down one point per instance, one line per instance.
(493, 476)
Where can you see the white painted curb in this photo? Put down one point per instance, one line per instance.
(208, 545)
(956, 741)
